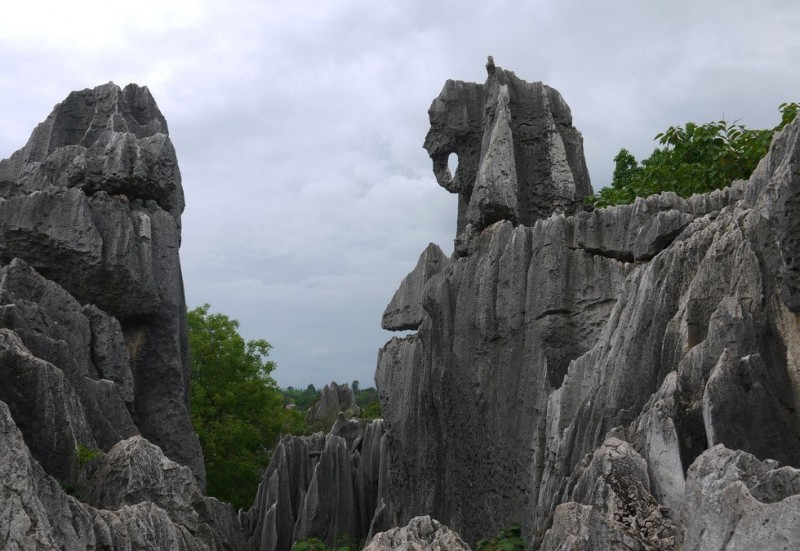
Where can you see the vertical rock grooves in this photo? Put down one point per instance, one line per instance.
(93, 338)
(649, 338)
(322, 486)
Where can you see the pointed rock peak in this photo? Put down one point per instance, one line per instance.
(83, 116)
(519, 156)
(106, 138)
(490, 66)
(405, 311)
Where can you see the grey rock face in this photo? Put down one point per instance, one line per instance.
(611, 506)
(90, 209)
(405, 309)
(519, 157)
(155, 504)
(669, 325)
(421, 533)
(734, 501)
(334, 399)
(321, 486)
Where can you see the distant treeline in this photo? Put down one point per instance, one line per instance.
(301, 400)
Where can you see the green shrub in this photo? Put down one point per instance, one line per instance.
(344, 542)
(86, 455)
(237, 410)
(508, 539)
(311, 544)
(693, 159)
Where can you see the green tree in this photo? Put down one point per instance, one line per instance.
(302, 399)
(508, 539)
(693, 159)
(237, 410)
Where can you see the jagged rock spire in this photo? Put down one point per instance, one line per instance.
(519, 157)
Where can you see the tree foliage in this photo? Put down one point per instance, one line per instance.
(508, 539)
(302, 399)
(237, 410)
(693, 159)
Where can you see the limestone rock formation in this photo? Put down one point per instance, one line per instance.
(571, 368)
(334, 399)
(734, 501)
(519, 157)
(421, 533)
(405, 309)
(321, 486)
(89, 234)
(93, 342)
(139, 499)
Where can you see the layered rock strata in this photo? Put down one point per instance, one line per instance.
(569, 371)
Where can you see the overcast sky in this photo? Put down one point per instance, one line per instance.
(299, 125)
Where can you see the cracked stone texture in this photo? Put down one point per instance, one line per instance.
(519, 157)
(154, 505)
(734, 501)
(421, 533)
(89, 236)
(334, 399)
(610, 505)
(670, 324)
(321, 486)
(404, 312)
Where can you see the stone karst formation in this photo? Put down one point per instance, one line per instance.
(93, 343)
(619, 379)
(625, 378)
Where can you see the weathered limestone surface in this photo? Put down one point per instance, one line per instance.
(334, 399)
(93, 343)
(405, 309)
(89, 235)
(138, 499)
(421, 533)
(669, 325)
(519, 157)
(322, 486)
(734, 501)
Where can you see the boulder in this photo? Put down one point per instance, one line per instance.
(420, 534)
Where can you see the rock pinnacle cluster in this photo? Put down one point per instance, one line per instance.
(619, 378)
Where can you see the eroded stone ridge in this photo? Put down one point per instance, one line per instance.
(323, 486)
(89, 235)
(519, 156)
(571, 371)
(138, 499)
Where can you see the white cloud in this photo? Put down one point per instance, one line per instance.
(299, 125)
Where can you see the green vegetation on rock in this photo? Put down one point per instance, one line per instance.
(508, 539)
(237, 409)
(693, 159)
(344, 542)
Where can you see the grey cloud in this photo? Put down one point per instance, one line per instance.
(299, 128)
